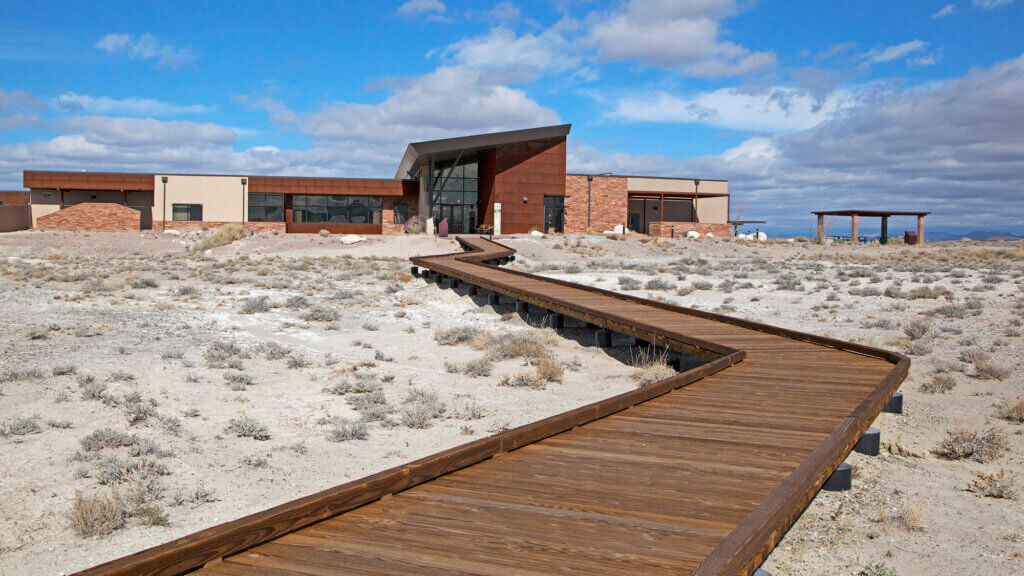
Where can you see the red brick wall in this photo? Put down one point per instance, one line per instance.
(609, 203)
(92, 216)
(679, 229)
(388, 212)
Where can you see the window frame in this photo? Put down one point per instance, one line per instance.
(190, 208)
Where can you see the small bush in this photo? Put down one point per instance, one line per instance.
(988, 369)
(952, 311)
(152, 515)
(371, 326)
(346, 430)
(1012, 410)
(659, 284)
(940, 383)
(972, 355)
(97, 515)
(255, 305)
(420, 407)
(296, 361)
(321, 314)
(187, 290)
(238, 380)
(979, 446)
(702, 285)
(523, 380)
(220, 352)
(273, 350)
(629, 283)
(919, 348)
(247, 427)
(877, 569)
(220, 237)
(456, 335)
(141, 283)
(549, 370)
(917, 328)
(927, 292)
(107, 438)
(297, 302)
(20, 427)
(650, 367)
(1000, 485)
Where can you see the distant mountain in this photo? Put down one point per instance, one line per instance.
(940, 236)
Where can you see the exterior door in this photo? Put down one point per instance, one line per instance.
(554, 214)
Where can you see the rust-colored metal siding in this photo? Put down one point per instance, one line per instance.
(14, 198)
(528, 170)
(87, 180)
(351, 186)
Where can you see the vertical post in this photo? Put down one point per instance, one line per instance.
(163, 218)
(885, 230)
(821, 228)
(920, 228)
(696, 196)
(853, 228)
(244, 182)
(590, 180)
(661, 208)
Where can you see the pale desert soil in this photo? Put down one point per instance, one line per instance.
(909, 508)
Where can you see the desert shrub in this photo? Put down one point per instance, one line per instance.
(878, 569)
(659, 284)
(949, 366)
(346, 430)
(927, 292)
(523, 380)
(456, 335)
(255, 305)
(572, 268)
(998, 485)
(789, 282)
(141, 283)
(13, 375)
(1012, 410)
(650, 367)
(222, 236)
(139, 411)
(895, 291)
(20, 427)
(684, 290)
(981, 446)
(187, 290)
(629, 283)
(919, 348)
(296, 361)
(917, 328)
(499, 347)
(371, 326)
(237, 380)
(372, 406)
(972, 355)
(952, 311)
(247, 427)
(151, 515)
(219, 353)
(107, 438)
(273, 350)
(702, 285)
(989, 369)
(297, 302)
(469, 411)
(549, 370)
(909, 516)
(320, 314)
(420, 407)
(198, 495)
(38, 333)
(941, 382)
(97, 515)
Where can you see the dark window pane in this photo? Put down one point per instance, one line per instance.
(401, 213)
(471, 170)
(187, 212)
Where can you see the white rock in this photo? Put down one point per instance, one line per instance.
(761, 236)
(693, 234)
(350, 239)
(608, 232)
(709, 235)
(172, 232)
(536, 233)
(620, 229)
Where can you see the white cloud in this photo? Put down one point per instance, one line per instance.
(146, 47)
(19, 109)
(145, 132)
(774, 109)
(504, 11)
(990, 4)
(947, 10)
(896, 52)
(511, 58)
(73, 102)
(433, 9)
(683, 36)
(278, 111)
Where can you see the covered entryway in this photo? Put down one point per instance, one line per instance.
(554, 214)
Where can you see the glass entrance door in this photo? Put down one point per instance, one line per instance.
(461, 218)
(554, 214)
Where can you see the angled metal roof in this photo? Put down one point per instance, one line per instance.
(451, 146)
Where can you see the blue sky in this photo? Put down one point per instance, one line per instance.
(800, 105)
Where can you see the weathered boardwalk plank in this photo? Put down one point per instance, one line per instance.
(701, 473)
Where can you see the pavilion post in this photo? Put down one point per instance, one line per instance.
(920, 228)
(853, 228)
(821, 228)
(885, 230)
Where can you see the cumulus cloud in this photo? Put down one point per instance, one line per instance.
(683, 36)
(777, 109)
(145, 132)
(19, 109)
(146, 47)
(73, 102)
(508, 57)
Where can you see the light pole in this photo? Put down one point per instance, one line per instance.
(590, 180)
(696, 196)
(163, 219)
(244, 181)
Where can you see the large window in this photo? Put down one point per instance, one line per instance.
(462, 182)
(401, 213)
(336, 209)
(266, 207)
(188, 212)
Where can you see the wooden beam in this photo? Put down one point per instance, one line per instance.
(920, 229)
(853, 228)
(821, 229)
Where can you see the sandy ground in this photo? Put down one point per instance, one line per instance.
(87, 302)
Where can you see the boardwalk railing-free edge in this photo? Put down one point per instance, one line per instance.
(741, 551)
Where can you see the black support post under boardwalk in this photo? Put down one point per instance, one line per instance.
(840, 480)
(522, 307)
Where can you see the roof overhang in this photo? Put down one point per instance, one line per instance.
(418, 153)
(870, 213)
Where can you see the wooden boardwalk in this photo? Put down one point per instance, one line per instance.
(701, 473)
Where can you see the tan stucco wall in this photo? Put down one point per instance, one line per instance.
(14, 218)
(713, 210)
(221, 196)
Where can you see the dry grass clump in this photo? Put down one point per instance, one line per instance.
(107, 438)
(224, 354)
(650, 366)
(928, 292)
(917, 328)
(998, 485)
(273, 350)
(909, 516)
(629, 283)
(255, 305)
(1012, 410)
(238, 380)
(549, 370)
(420, 407)
(14, 375)
(972, 355)
(456, 335)
(475, 368)
(97, 514)
(940, 383)
(220, 237)
(660, 284)
(372, 406)
(20, 427)
(980, 446)
(321, 314)
(346, 430)
(989, 369)
(523, 380)
(247, 427)
(878, 569)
